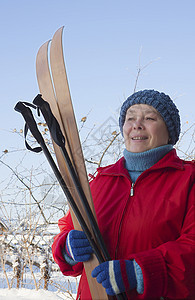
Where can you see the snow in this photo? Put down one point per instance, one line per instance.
(43, 265)
(27, 294)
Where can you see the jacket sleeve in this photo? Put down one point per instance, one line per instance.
(65, 224)
(168, 270)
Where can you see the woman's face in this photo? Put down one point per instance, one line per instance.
(144, 129)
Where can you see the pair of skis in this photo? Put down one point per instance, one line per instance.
(59, 116)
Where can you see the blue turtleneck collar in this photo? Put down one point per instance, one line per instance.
(136, 163)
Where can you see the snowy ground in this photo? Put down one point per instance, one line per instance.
(16, 270)
(27, 294)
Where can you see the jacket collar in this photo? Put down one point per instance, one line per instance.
(170, 160)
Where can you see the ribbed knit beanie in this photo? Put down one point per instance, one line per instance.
(162, 103)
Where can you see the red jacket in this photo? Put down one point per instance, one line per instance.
(153, 223)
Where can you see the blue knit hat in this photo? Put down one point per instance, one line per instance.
(162, 103)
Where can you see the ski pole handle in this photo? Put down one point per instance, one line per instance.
(50, 119)
(30, 124)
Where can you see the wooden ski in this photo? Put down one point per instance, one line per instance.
(55, 90)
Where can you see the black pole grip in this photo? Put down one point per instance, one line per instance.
(30, 124)
(50, 119)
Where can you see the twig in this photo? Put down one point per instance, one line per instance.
(28, 188)
(140, 69)
(111, 142)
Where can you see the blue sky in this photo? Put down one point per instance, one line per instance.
(102, 42)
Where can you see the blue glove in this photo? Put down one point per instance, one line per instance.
(77, 246)
(116, 276)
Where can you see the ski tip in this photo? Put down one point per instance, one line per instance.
(46, 44)
(60, 28)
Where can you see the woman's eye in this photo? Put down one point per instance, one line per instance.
(149, 118)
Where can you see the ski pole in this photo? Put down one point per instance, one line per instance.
(59, 139)
(32, 126)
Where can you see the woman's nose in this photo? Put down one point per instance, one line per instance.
(138, 124)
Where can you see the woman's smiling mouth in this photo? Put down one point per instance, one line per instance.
(139, 138)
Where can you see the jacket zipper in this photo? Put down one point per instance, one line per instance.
(131, 195)
(132, 190)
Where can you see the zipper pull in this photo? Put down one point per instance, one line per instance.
(132, 191)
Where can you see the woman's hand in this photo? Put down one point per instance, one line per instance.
(78, 247)
(116, 276)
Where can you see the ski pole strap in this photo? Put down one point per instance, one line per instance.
(50, 119)
(29, 125)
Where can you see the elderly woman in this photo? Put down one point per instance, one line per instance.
(145, 210)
